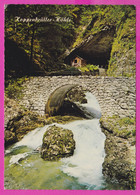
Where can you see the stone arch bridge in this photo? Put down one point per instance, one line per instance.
(115, 95)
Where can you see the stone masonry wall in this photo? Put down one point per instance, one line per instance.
(115, 95)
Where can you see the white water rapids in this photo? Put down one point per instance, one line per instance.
(86, 163)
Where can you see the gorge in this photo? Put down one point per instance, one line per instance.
(126, 139)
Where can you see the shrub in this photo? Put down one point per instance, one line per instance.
(72, 69)
(83, 69)
(92, 67)
(13, 87)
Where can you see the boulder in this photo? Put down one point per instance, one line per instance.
(57, 143)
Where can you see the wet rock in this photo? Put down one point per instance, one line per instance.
(72, 109)
(57, 143)
(118, 125)
(11, 109)
(120, 161)
(72, 103)
(62, 119)
(77, 94)
(10, 137)
(21, 125)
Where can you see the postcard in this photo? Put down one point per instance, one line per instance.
(70, 97)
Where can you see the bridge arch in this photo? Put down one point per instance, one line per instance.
(63, 101)
(114, 95)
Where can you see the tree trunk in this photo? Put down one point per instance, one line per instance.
(32, 43)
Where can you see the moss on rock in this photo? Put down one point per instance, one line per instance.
(120, 159)
(57, 143)
(121, 127)
(122, 58)
(119, 163)
(21, 125)
(62, 119)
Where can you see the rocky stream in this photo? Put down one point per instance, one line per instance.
(69, 152)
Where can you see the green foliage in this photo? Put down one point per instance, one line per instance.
(14, 87)
(77, 42)
(124, 41)
(110, 15)
(71, 69)
(128, 74)
(45, 42)
(92, 67)
(83, 69)
(88, 67)
(122, 19)
(134, 132)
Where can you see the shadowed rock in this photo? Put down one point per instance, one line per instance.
(95, 49)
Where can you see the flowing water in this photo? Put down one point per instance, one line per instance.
(24, 169)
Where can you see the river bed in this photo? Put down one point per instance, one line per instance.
(25, 169)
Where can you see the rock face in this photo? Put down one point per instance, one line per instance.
(57, 143)
(123, 54)
(11, 109)
(109, 41)
(119, 164)
(21, 125)
(95, 49)
(120, 160)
